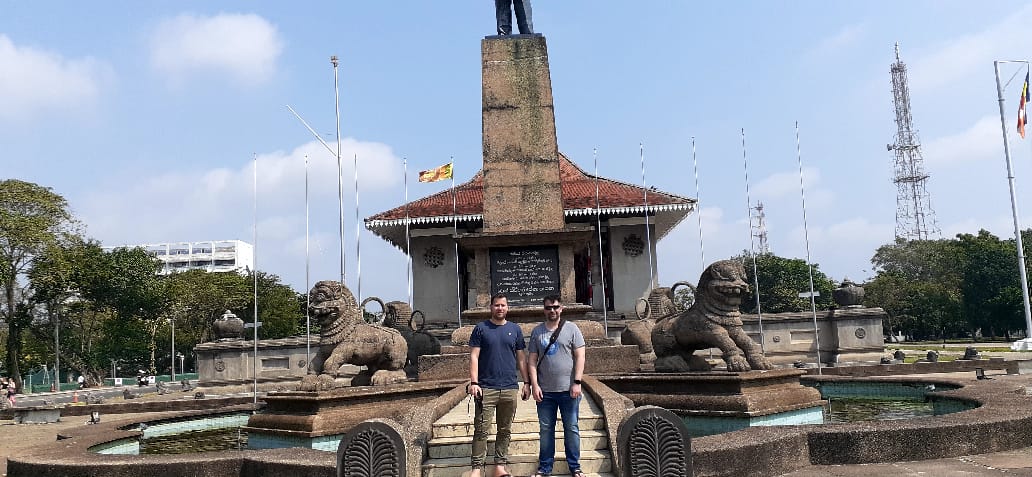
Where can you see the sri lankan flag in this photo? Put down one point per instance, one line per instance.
(436, 174)
(1022, 119)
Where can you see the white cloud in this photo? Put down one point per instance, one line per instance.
(244, 46)
(33, 81)
(980, 142)
(782, 184)
(972, 54)
(175, 206)
(848, 36)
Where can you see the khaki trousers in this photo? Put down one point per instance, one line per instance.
(500, 405)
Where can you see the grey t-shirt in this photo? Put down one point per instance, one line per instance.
(556, 371)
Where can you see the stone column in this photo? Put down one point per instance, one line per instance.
(522, 191)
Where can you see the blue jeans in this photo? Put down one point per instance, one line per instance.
(568, 408)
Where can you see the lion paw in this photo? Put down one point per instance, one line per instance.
(758, 361)
(737, 363)
(312, 382)
(384, 377)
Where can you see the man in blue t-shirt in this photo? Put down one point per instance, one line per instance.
(495, 354)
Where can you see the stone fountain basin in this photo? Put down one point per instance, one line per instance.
(1003, 421)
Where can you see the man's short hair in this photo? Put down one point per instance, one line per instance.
(553, 299)
(498, 296)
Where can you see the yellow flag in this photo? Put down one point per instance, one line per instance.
(436, 174)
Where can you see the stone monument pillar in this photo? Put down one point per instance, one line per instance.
(521, 158)
(525, 250)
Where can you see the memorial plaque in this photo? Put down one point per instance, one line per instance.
(526, 275)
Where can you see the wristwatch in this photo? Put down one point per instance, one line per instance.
(576, 381)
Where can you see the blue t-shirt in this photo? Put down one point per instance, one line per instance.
(498, 345)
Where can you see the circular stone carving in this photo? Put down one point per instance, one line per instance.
(220, 366)
(434, 257)
(654, 442)
(776, 339)
(633, 245)
(371, 449)
(860, 333)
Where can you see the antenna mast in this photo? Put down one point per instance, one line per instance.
(760, 227)
(915, 219)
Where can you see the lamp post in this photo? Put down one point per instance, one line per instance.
(182, 368)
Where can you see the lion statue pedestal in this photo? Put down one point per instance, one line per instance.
(347, 339)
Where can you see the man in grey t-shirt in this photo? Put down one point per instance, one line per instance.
(556, 367)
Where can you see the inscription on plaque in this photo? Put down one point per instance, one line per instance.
(525, 274)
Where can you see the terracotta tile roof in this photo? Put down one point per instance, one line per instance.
(578, 190)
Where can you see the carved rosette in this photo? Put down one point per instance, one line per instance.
(371, 449)
(654, 442)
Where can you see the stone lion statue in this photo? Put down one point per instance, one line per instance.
(713, 321)
(347, 339)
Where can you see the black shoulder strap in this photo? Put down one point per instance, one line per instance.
(555, 336)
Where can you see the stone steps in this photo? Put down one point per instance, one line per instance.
(450, 447)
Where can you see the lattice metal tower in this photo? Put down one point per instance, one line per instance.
(760, 227)
(915, 219)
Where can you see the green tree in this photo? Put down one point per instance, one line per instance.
(991, 288)
(100, 301)
(32, 218)
(781, 280)
(919, 285)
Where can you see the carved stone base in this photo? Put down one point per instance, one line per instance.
(749, 398)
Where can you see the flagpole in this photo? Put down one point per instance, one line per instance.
(1023, 344)
(308, 286)
(806, 235)
(408, 238)
(254, 274)
(752, 250)
(455, 234)
(648, 234)
(601, 253)
(698, 199)
(358, 234)
(340, 171)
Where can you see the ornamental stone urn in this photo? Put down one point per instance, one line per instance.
(849, 294)
(228, 327)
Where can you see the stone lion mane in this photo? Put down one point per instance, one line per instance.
(347, 339)
(713, 321)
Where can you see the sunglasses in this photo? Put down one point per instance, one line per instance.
(553, 307)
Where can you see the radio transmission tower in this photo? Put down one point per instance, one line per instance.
(915, 219)
(761, 229)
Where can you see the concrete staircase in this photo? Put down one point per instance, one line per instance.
(451, 444)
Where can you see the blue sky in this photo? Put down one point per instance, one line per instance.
(146, 116)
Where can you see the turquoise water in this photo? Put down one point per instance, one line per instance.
(230, 438)
(860, 401)
(212, 433)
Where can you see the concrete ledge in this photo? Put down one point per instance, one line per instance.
(37, 414)
(960, 365)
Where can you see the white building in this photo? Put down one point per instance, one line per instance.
(210, 256)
